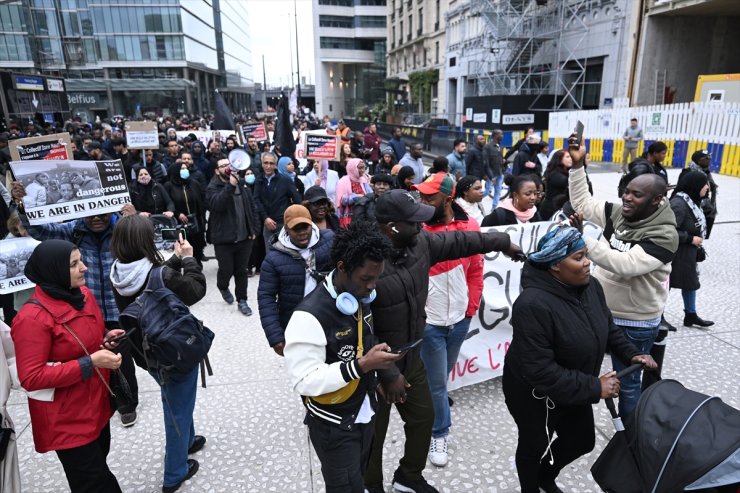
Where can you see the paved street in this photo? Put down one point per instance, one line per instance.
(253, 422)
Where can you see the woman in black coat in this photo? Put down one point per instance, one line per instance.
(562, 328)
(148, 196)
(556, 184)
(692, 229)
(188, 198)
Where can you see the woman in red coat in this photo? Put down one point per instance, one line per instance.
(49, 333)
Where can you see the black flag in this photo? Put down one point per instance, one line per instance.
(283, 129)
(224, 120)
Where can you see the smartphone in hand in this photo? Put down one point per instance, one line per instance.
(406, 347)
(579, 133)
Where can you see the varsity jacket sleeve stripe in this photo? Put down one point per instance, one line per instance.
(581, 199)
(305, 358)
(632, 263)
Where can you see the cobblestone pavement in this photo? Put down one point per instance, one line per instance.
(256, 440)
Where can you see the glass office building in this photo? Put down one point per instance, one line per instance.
(133, 56)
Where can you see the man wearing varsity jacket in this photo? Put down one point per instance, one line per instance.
(331, 356)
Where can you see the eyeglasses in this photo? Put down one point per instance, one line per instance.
(268, 163)
(221, 166)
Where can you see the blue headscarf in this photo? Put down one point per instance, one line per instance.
(283, 163)
(555, 246)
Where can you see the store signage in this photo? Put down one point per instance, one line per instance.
(521, 119)
(56, 85)
(82, 99)
(29, 83)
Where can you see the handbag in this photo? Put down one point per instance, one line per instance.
(122, 397)
(701, 254)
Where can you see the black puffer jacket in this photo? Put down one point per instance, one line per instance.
(398, 310)
(476, 163)
(560, 336)
(222, 219)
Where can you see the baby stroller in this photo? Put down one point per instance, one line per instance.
(677, 440)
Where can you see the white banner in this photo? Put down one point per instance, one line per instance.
(14, 253)
(206, 136)
(482, 354)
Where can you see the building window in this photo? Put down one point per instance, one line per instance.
(372, 3)
(436, 52)
(393, 36)
(339, 3)
(348, 44)
(408, 37)
(400, 33)
(453, 61)
(336, 21)
(436, 17)
(370, 21)
(420, 29)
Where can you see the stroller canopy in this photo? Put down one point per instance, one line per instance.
(680, 436)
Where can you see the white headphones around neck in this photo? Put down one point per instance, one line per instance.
(346, 303)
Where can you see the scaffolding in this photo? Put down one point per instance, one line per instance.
(528, 48)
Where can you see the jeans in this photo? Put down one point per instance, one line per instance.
(233, 259)
(642, 338)
(439, 353)
(497, 182)
(689, 300)
(487, 184)
(178, 401)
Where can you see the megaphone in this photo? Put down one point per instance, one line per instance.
(239, 160)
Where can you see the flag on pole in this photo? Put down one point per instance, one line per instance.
(284, 129)
(293, 101)
(224, 119)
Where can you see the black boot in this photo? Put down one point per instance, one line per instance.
(693, 319)
(666, 324)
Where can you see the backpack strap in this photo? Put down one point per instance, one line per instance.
(156, 279)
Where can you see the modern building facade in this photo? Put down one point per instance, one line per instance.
(350, 55)
(133, 57)
(416, 43)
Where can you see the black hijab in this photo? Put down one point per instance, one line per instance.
(404, 173)
(691, 184)
(48, 268)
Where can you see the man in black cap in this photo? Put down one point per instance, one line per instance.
(364, 208)
(701, 161)
(399, 317)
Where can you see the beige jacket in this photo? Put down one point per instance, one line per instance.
(635, 281)
(10, 479)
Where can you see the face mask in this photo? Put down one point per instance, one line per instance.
(184, 174)
(144, 179)
(249, 179)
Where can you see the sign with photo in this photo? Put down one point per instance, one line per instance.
(256, 130)
(63, 190)
(142, 135)
(320, 146)
(54, 146)
(14, 253)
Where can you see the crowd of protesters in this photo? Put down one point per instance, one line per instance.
(375, 232)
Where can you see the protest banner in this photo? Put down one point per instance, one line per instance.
(256, 130)
(62, 190)
(14, 253)
(54, 146)
(142, 135)
(205, 136)
(321, 146)
(482, 354)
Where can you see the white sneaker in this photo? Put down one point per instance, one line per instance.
(438, 451)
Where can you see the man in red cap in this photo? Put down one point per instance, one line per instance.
(455, 288)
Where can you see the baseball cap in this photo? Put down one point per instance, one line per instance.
(438, 182)
(295, 215)
(400, 205)
(700, 154)
(315, 194)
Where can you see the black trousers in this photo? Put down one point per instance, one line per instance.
(417, 414)
(86, 467)
(574, 426)
(128, 369)
(7, 303)
(343, 453)
(233, 259)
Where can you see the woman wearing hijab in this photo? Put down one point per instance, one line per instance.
(287, 168)
(148, 196)
(562, 328)
(387, 162)
(323, 177)
(692, 230)
(350, 188)
(405, 178)
(132, 244)
(187, 197)
(58, 337)
(520, 207)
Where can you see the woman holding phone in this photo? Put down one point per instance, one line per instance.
(58, 336)
(132, 245)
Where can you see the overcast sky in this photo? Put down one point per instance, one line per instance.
(273, 34)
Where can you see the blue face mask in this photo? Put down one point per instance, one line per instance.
(184, 174)
(249, 179)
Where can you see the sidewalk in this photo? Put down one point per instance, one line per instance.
(253, 421)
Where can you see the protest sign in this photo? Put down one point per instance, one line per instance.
(205, 136)
(54, 146)
(482, 354)
(322, 146)
(142, 135)
(14, 253)
(62, 190)
(256, 130)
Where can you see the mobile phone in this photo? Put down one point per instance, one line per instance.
(579, 132)
(117, 338)
(172, 234)
(406, 347)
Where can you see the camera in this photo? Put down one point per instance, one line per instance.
(173, 234)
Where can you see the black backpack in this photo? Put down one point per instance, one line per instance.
(174, 341)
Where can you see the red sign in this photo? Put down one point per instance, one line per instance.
(321, 146)
(256, 130)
